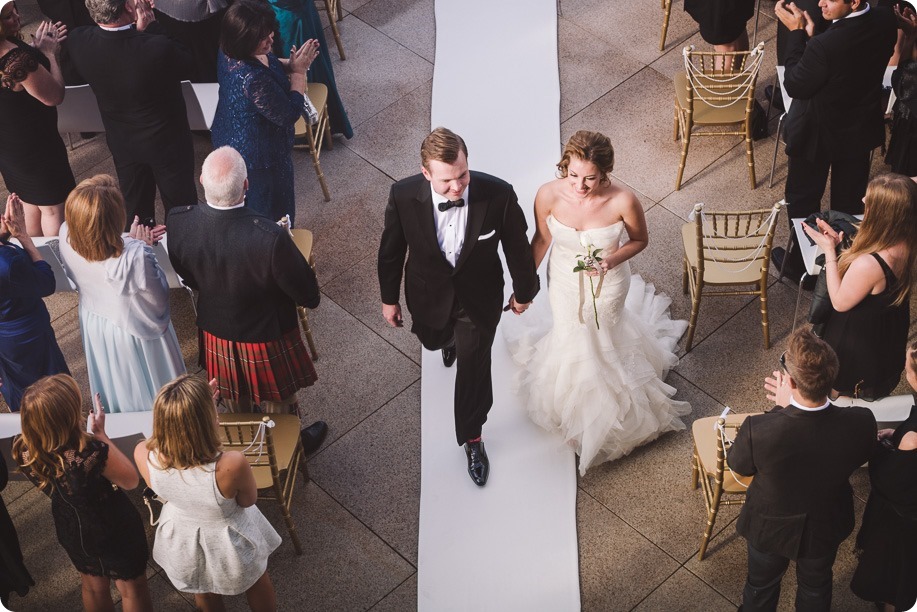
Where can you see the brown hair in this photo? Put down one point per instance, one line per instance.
(95, 216)
(812, 364)
(3, 33)
(889, 219)
(442, 144)
(591, 147)
(185, 424)
(52, 423)
(245, 24)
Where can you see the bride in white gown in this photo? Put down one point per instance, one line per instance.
(596, 375)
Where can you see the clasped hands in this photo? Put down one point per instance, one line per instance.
(825, 237)
(794, 18)
(392, 312)
(149, 235)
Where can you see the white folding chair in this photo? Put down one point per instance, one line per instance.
(79, 112)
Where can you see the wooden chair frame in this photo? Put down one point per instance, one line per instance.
(240, 432)
(720, 485)
(335, 14)
(733, 244)
(314, 136)
(303, 239)
(666, 14)
(726, 87)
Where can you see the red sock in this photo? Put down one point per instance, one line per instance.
(472, 441)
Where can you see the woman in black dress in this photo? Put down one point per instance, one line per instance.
(14, 577)
(33, 160)
(870, 287)
(722, 22)
(83, 473)
(887, 571)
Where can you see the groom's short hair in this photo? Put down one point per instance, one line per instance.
(812, 364)
(442, 144)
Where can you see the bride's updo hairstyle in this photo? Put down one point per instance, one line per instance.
(591, 147)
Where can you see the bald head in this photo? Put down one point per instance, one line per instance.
(223, 177)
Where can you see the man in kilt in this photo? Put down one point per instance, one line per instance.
(250, 277)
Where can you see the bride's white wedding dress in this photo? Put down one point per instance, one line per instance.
(601, 388)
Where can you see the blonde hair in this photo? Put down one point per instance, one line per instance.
(52, 423)
(185, 424)
(889, 219)
(591, 147)
(95, 217)
(442, 144)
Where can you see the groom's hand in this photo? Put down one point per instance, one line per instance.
(392, 314)
(515, 306)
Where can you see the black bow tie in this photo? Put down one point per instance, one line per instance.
(444, 206)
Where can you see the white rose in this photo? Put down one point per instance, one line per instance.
(585, 240)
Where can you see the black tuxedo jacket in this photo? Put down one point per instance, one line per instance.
(432, 285)
(249, 273)
(835, 80)
(800, 503)
(136, 77)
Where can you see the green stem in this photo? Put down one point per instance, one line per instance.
(594, 308)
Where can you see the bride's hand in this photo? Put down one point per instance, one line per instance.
(600, 268)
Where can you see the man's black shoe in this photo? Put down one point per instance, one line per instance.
(792, 272)
(313, 436)
(478, 464)
(777, 99)
(449, 355)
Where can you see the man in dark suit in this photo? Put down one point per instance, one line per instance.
(250, 277)
(801, 454)
(136, 73)
(836, 119)
(448, 221)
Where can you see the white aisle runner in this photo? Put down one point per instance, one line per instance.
(512, 544)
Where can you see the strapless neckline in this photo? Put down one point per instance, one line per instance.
(591, 229)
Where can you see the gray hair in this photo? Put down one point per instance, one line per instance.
(223, 177)
(105, 11)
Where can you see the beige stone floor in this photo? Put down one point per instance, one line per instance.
(639, 522)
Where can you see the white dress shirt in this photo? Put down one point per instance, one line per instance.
(450, 226)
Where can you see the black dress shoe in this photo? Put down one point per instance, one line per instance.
(313, 436)
(478, 464)
(449, 355)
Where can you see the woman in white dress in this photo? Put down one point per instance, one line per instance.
(211, 539)
(596, 375)
(131, 347)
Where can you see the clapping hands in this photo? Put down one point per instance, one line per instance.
(49, 36)
(151, 236)
(825, 237)
(12, 223)
(794, 18)
(301, 59)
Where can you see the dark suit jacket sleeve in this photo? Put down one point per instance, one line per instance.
(518, 251)
(392, 250)
(741, 456)
(806, 66)
(180, 58)
(176, 249)
(293, 274)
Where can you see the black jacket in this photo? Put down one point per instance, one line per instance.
(800, 503)
(431, 284)
(835, 80)
(248, 271)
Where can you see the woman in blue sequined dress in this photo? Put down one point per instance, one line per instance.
(261, 97)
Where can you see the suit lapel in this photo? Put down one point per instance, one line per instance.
(477, 212)
(425, 217)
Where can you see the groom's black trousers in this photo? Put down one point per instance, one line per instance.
(473, 385)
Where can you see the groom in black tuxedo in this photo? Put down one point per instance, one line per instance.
(448, 221)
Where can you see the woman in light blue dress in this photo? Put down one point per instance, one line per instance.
(131, 347)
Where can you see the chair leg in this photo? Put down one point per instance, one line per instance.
(318, 171)
(770, 183)
(675, 132)
(692, 324)
(666, 13)
(764, 326)
(304, 320)
(685, 143)
(328, 139)
(750, 153)
(288, 519)
(333, 20)
(695, 470)
(711, 521)
(684, 276)
(340, 10)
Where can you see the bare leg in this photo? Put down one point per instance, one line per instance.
(261, 596)
(739, 44)
(209, 602)
(51, 219)
(97, 593)
(135, 595)
(32, 220)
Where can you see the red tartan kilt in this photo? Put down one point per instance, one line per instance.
(272, 371)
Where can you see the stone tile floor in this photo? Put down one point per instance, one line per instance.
(639, 522)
